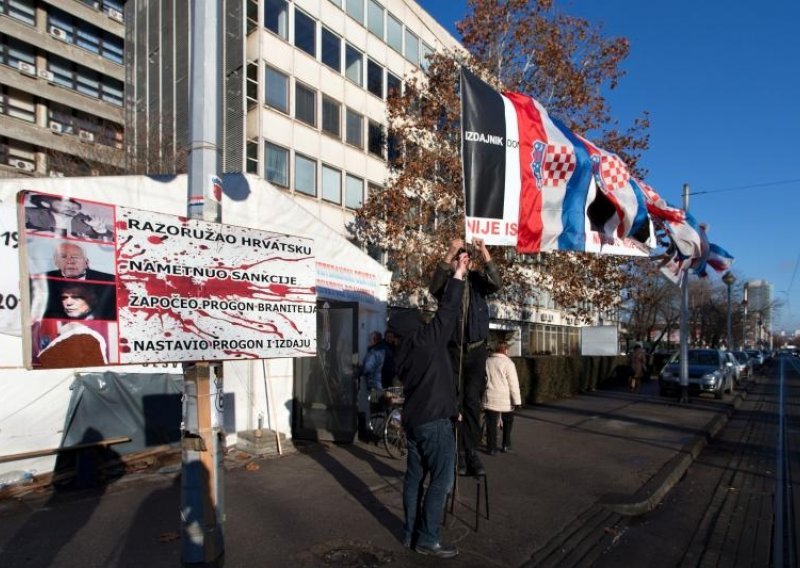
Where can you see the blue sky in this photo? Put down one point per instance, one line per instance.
(721, 80)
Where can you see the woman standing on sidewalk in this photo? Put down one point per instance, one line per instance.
(501, 397)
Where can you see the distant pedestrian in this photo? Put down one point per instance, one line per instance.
(373, 362)
(501, 398)
(429, 413)
(638, 365)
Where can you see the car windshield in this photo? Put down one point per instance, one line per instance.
(740, 356)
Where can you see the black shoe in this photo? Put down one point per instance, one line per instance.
(508, 450)
(407, 542)
(474, 465)
(493, 452)
(439, 550)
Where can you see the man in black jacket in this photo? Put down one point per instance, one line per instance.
(467, 345)
(430, 409)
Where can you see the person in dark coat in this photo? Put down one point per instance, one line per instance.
(63, 217)
(467, 346)
(429, 412)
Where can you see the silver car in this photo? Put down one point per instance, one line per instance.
(710, 370)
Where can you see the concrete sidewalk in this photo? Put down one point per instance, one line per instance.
(580, 465)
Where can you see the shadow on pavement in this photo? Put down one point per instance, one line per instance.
(71, 505)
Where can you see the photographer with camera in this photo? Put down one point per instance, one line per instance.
(467, 347)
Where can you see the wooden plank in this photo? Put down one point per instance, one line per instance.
(51, 451)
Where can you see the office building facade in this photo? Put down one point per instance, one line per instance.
(304, 91)
(61, 87)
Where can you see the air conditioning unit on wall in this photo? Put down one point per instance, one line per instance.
(56, 127)
(45, 74)
(86, 136)
(114, 14)
(26, 67)
(22, 165)
(58, 33)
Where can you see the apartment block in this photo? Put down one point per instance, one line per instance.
(61, 87)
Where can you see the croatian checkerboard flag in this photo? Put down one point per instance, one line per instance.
(531, 182)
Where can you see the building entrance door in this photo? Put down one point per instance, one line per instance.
(326, 386)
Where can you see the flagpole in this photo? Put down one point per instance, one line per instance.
(684, 328)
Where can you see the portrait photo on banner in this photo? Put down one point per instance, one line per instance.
(61, 216)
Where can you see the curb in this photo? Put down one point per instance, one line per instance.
(652, 493)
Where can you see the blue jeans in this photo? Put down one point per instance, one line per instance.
(431, 451)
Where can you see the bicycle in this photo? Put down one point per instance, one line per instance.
(385, 420)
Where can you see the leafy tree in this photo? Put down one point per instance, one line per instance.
(524, 46)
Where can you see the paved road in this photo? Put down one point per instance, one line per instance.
(736, 506)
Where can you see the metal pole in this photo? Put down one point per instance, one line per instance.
(202, 542)
(730, 331)
(684, 329)
(744, 318)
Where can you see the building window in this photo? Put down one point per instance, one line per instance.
(394, 148)
(355, 9)
(375, 18)
(331, 117)
(353, 192)
(252, 16)
(111, 90)
(251, 167)
(276, 17)
(331, 50)
(85, 80)
(412, 48)
(20, 105)
(374, 78)
(305, 175)
(252, 84)
(425, 54)
(22, 10)
(354, 129)
(337, 2)
(376, 139)
(305, 33)
(331, 185)
(354, 63)
(305, 104)
(13, 51)
(277, 92)
(394, 85)
(86, 36)
(276, 164)
(394, 33)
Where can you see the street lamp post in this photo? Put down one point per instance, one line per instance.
(728, 278)
(744, 317)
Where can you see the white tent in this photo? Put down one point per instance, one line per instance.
(35, 402)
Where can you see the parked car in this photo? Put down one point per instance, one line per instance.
(743, 364)
(710, 371)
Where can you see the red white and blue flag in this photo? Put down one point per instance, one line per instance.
(719, 259)
(532, 183)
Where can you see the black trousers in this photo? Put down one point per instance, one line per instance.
(507, 419)
(470, 391)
